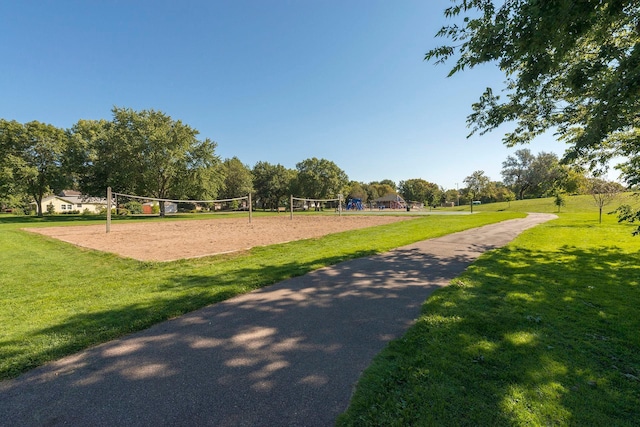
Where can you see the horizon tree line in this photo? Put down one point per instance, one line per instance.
(149, 153)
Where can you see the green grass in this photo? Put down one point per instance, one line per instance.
(541, 332)
(57, 299)
(574, 204)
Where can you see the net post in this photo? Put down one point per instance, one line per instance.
(108, 209)
(340, 204)
(291, 207)
(250, 214)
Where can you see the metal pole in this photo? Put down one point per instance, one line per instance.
(108, 209)
(291, 206)
(250, 208)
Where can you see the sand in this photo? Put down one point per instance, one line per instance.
(170, 240)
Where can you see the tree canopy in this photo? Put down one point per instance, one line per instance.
(146, 153)
(477, 185)
(419, 190)
(603, 192)
(272, 183)
(238, 179)
(570, 66)
(320, 178)
(33, 158)
(357, 190)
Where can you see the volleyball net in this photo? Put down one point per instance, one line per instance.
(308, 204)
(122, 204)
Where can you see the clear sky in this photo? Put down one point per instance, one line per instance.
(273, 80)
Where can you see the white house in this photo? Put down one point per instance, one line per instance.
(72, 201)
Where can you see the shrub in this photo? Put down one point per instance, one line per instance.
(133, 207)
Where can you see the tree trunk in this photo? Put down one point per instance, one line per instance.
(600, 216)
(38, 200)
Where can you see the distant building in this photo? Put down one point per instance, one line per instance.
(390, 201)
(169, 207)
(68, 201)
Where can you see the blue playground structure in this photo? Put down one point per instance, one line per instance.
(355, 204)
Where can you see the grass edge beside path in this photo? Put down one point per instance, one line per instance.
(541, 332)
(58, 299)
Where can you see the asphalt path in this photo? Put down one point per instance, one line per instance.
(286, 355)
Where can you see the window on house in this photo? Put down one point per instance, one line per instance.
(79, 205)
(63, 207)
(69, 207)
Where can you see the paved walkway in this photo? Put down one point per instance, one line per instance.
(286, 355)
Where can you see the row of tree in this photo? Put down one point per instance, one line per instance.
(144, 153)
(148, 153)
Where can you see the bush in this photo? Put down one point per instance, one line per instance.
(133, 207)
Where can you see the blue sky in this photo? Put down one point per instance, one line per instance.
(273, 80)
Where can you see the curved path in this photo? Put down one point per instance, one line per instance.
(286, 355)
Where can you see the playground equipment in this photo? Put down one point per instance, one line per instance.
(355, 204)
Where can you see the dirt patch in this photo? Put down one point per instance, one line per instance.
(171, 240)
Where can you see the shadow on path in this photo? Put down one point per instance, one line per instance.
(289, 354)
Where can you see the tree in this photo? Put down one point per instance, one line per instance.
(534, 175)
(357, 191)
(516, 171)
(603, 192)
(9, 130)
(508, 196)
(419, 190)
(477, 184)
(238, 179)
(378, 189)
(272, 184)
(33, 158)
(574, 180)
(546, 174)
(146, 153)
(452, 196)
(320, 178)
(559, 198)
(627, 214)
(92, 161)
(388, 182)
(570, 66)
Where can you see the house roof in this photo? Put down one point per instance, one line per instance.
(76, 200)
(391, 197)
(65, 193)
(53, 196)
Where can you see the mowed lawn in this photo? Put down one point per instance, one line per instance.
(57, 299)
(545, 331)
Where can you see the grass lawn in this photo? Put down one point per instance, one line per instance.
(574, 204)
(57, 299)
(544, 331)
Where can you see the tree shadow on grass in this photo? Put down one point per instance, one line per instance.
(298, 345)
(523, 337)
